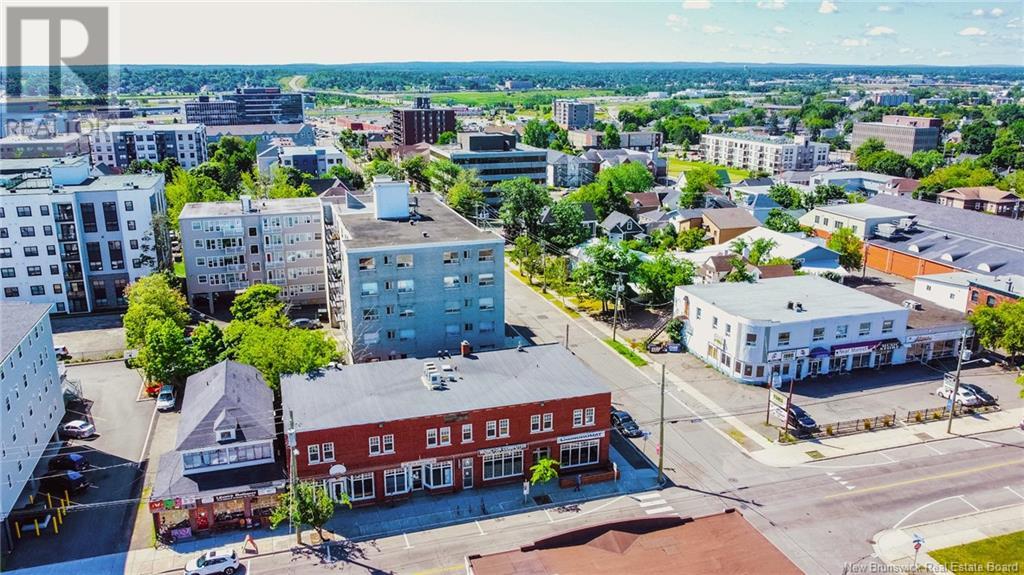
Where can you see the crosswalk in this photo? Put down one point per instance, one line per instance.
(653, 503)
(840, 480)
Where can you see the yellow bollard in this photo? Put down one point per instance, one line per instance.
(66, 496)
(36, 521)
(55, 530)
(60, 518)
(49, 501)
(17, 529)
(31, 498)
(63, 505)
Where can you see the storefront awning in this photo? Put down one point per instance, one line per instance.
(889, 345)
(819, 352)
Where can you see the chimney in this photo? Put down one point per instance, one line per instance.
(246, 203)
(789, 305)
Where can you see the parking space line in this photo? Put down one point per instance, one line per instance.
(665, 509)
(885, 455)
(248, 567)
(407, 544)
(933, 449)
(550, 518)
(1013, 491)
(149, 435)
(652, 502)
(973, 506)
(648, 495)
(479, 527)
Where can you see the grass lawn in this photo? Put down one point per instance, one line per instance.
(514, 98)
(627, 353)
(1005, 554)
(179, 269)
(550, 296)
(676, 165)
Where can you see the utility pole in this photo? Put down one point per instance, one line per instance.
(566, 336)
(956, 380)
(789, 400)
(292, 450)
(615, 314)
(661, 432)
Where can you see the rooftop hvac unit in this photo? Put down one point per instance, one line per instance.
(912, 305)
(907, 223)
(885, 231)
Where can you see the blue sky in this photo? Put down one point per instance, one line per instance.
(815, 31)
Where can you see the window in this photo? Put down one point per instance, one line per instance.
(37, 290)
(431, 438)
(486, 327)
(389, 443)
(974, 296)
(369, 288)
(452, 307)
(751, 339)
(110, 216)
(131, 224)
(841, 331)
(887, 326)
(818, 334)
(313, 452)
(51, 250)
(34, 270)
(404, 261)
(588, 416)
(486, 279)
(577, 418)
(535, 424)
(467, 433)
(375, 445)
(31, 251)
(28, 232)
(486, 304)
(784, 338)
(370, 314)
(580, 453)
(10, 292)
(406, 286)
(698, 313)
(492, 429)
(44, 210)
(58, 288)
(503, 464)
(714, 321)
(360, 487)
(47, 230)
(990, 301)
(444, 436)
(24, 211)
(502, 428)
(450, 257)
(865, 328)
(451, 282)
(367, 264)
(486, 255)
(328, 452)
(406, 334)
(438, 474)
(5, 252)
(395, 481)
(7, 272)
(129, 206)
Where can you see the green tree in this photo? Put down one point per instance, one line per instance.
(739, 272)
(603, 199)
(351, 179)
(382, 168)
(556, 273)
(256, 299)
(761, 250)
(597, 275)
(527, 255)
(822, 194)
(442, 175)
(522, 203)
(924, 162)
(885, 162)
(661, 275)
(1001, 327)
(207, 346)
(1014, 182)
(978, 137)
(781, 221)
(963, 174)
(165, 357)
(849, 247)
(611, 137)
(152, 299)
(190, 187)
(626, 178)
(691, 240)
(566, 229)
(413, 166)
(466, 199)
(786, 196)
(536, 134)
(276, 350)
(705, 175)
(546, 469)
(307, 503)
(445, 138)
(870, 147)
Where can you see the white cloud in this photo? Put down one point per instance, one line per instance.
(675, 22)
(977, 12)
(881, 31)
(696, 4)
(996, 12)
(827, 7)
(884, 8)
(905, 50)
(853, 42)
(944, 54)
(771, 4)
(781, 30)
(972, 31)
(1013, 23)
(711, 29)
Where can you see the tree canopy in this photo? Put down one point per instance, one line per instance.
(849, 247)
(522, 202)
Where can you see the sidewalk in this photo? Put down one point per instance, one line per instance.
(896, 546)
(143, 536)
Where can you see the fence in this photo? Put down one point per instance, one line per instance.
(851, 426)
(937, 413)
(886, 421)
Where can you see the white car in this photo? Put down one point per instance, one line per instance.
(78, 428)
(223, 560)
(963, 396)
(166, 399)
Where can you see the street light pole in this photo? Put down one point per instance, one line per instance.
(661, 432)
(956, 380)
(293, 450)
(615, 314)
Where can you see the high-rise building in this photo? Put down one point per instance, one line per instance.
(772, 154)
(901, 134)
(75, 241)
(573, 114)
(119, 144)
(211, 112)
(228, 246)
(267, 106)
(408, 276)
(421, 123)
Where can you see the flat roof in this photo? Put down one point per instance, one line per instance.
(930, 314)
(437, 223)
(755, 138)
(18, 318)
(13, 165)
(23, 139)
(153, 127)
(263, 207)
(393, 390)
(767, 300)
(115, 183)
(864, 211)
(305, 150)
(254, 129)
(975, 225)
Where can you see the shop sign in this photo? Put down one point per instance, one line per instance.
(580, 437)
(235, 495)
(789, 354)
(266, 491)
(778, 398)
(188, 502)
(889, 345)
(419, 462)
(503, 449)
(719, 341)
(853, 350)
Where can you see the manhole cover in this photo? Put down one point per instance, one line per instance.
(542, 499)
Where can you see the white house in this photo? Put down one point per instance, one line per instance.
(948, 290)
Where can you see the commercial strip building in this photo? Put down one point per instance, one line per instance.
(118, 145)
(75, 241)
(407, 276)
(421, 123)
(247, 106)
(862, 219)
(773, 154)
(228, 246)
(265, 134)
(33, 401)
(49, 146)
(572, 114)
(803, 326)
(988, 199)
(496, 158)
(224, 471)
(448, 424)
(901, 134)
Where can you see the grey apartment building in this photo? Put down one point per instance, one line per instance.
(901, 134)
(495, 158)
(572, 114)
(408, 277)
(228, 246)
(120, 144)
(258, 105)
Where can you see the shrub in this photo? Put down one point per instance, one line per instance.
(828, 429)
(918, 417)
(887, 421)
(936, 415)
(867, 425)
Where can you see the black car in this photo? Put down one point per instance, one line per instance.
(623, 422)
(985, 397)
(58, 483)
(799, 419)
(69, 462)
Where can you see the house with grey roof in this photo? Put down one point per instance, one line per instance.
(589, 220)
(619, 226)
(224, 470)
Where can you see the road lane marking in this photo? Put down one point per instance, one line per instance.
(909, 515)
(1014, 492)
(248, 567)
(407, 544)
(479, 527)
(149, 434)
(933, 449)
(973, 506)
(666, 509)
(885, 455)
(550, 518)
(652, 502)
(930, 478)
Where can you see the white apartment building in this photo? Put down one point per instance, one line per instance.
(312, 160)
(228, 246)
(772, 154)
(864, 220)
(33, 400)
(75, 241)
(796, 327)
(119, 144)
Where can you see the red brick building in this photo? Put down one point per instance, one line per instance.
(990, 291)
(381, 431)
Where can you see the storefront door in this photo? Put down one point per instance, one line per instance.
(467, 473)
(814, 367)
(338, 489)
(416, 472)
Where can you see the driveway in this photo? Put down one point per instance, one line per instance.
(90, 337)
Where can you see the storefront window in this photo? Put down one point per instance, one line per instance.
(439, 474)
(499, 465)
(264, 505)
(395, 481)
(360, 487)
(860, 360)
(581, 453)
(226, 511)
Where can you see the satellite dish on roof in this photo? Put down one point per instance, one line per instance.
(338, 470)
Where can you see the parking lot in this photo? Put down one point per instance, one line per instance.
(90, 337)
(100, 519)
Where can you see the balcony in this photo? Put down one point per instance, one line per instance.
(273, 265)
(71, 257)
(234, 250)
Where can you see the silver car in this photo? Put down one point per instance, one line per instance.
(78, 429)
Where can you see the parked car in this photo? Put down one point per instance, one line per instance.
(305, 323)
(223, 560)
(58, 483)
(78, 429)
(799, 419)
(964, 396)
(167, 398)
(623, 422)
(69, 462)
(61, 351)
(985, 397)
